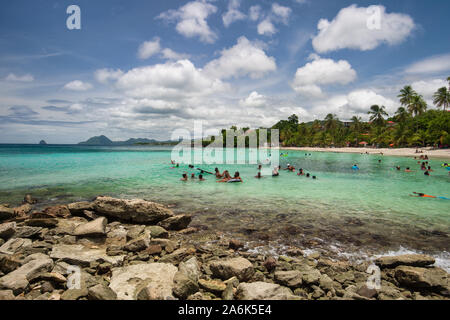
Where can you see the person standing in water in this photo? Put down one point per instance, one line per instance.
(185, 177)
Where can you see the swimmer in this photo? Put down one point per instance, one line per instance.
(422, 195)
(314, 178)
(379, 161)
(427, 173)
(193, 176)
(200, 178)
(185, 177)
(355, 167)
(191, 166)
(218, 174)
(226, 177)
(275, 172)
(408, 170)
(237, 176)
(398, 168)
(429, 169)
(258, 176)
(307, 175)
(300, 172)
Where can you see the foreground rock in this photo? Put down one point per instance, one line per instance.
(136, 211)
(95, 228)
(239, 267)
(6, 213)
(153, 281)
(17, 281)
(263, 291)
(434, 279)
(82, 256)
(414, 260)
(7, 230)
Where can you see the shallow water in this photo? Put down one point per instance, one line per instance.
(369, 210)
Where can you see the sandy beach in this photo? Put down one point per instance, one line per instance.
(443, 154)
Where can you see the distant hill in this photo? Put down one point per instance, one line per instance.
(105, 141)
(42, 142)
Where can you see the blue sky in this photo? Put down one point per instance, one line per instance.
(145, 68)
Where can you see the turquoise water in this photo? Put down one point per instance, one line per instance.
(365, 210)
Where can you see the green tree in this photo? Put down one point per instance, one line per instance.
(417, 105)
(406, 95)
(442, 98)
(377, 115)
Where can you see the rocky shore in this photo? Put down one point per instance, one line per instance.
(115, 249)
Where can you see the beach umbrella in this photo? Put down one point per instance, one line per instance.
(363, 143)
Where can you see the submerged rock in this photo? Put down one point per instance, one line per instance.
(137, 210)
(414, 260)
(153, 281)
(239, 267)
(176, 223)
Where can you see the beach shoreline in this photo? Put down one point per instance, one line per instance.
(442, 154)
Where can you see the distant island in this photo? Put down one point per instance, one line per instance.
(42, 142)
(105, 141)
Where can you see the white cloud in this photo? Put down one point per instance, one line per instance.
(281, 12)
(427, 88)
(254, 100)
(266, 27)
(191, 20)
(356, 28)
(149, 48)
(355, 103)
(105, 75)
(254, 12)
(169, 54)
(171, 80)
(434, 64)
(78, 85)
(16, 78)
(244, 58)
(233, 14)
(308, 78)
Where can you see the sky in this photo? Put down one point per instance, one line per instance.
(147, 68)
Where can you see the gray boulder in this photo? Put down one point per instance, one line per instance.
(14, 245)
(292, 279)
(152, 281)
(83, 256)
(95, 228)
(136, 211)
(101, 292)
(176, 223)
(263, 291)
(6, 213)
(7, 230)
(17, 281)
(414, 260)
(78, 208)
(239, 267)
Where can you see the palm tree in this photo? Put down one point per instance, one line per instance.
(401, 115)
(406, 95)
(442, 98)
(330, 122)
(377, 113)
(417, 105)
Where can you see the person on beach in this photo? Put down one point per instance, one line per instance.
(258, 176)
(226, 176)
(185, 177)
(200, 178)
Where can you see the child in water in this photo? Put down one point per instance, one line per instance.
(185, 177)
(258, 176)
